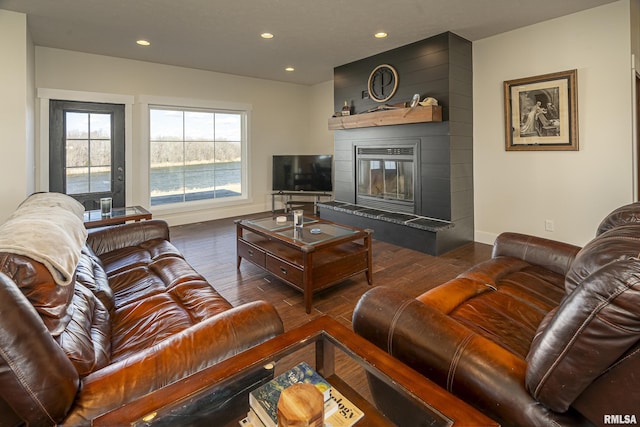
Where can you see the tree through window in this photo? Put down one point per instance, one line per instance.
(195, 154)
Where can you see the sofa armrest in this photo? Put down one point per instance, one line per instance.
(180, 355)
(466, 364)
(107, 239)
(37, 380)
(550, 254)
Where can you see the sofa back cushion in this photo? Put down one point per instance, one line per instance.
(86, 339)
(628, 214)
(597, 322)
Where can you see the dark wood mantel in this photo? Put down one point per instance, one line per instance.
(399, 116)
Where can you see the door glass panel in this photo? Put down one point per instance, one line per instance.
(78, 180)
(77, 153)
(77, 125)
(100, 126)
(88, 152)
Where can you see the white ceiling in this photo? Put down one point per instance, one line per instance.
(314, 36)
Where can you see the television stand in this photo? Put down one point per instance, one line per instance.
(289, 202)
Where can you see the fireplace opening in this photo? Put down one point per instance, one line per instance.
(386, 177)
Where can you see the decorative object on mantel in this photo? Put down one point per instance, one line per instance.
(428, 101)
(383, 83)
(414, 102)
(387, 117)
(346, 109)
(541, 112)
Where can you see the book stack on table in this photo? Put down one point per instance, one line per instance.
(263, 401)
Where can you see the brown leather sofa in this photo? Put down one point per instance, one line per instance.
(131, 317)
(544, 333)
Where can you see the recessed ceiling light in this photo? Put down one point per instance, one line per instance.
(289, 69)
(380, 35)
(266, 35)
(143, 42)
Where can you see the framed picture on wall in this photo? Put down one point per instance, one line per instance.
(541, 112)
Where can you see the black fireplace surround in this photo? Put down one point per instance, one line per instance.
(411, 183)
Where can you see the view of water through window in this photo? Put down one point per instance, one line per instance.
(194, 155)
(88, 152)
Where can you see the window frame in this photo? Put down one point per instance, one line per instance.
(146, 103)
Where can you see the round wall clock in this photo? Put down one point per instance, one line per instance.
(383, 83)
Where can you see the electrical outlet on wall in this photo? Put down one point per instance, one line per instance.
(549, 225)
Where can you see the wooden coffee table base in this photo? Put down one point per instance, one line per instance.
(306, 261)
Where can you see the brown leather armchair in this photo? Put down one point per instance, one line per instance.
(544, 333)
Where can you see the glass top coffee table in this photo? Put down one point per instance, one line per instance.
(310, 258)
(387, 391)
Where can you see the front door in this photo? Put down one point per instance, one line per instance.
(86, 151)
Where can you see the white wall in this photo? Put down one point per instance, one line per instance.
(321, 109)
(518, 191)
(280, 114)
(16, 112)
(635, 32)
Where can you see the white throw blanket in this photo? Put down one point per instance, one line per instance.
(48, 228)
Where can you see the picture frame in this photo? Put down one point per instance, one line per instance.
(541, 112)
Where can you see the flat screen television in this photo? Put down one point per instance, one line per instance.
(302, 172)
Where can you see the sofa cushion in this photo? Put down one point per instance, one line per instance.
(503, 299)
(156, 294)
(601, 313)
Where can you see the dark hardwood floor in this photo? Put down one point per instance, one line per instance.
(210, 247)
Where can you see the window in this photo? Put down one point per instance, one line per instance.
(195, 154)
(88, 152)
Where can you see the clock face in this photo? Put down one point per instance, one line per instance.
(383, 83)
